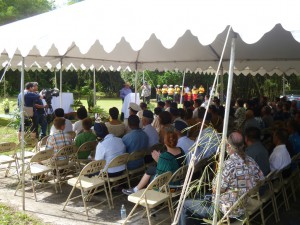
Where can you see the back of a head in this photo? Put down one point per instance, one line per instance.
(197, 102)
(168, 103)
(87, 123)
(282, 135)
(82, 113)
(240, 102)
(249, 114)
(236, 141)
(170, 139)
(28, 85)
(174, 105)
(165, 118)
(174, 111)
(188, 114)
(133, 121)
(181, 113)
(157, 111)
(143, 105)
(59, 122)
(114, 113)
(161, 104)
(59, 112)
(201, 113)
(187, 104)
(252, 133)
(100, 130)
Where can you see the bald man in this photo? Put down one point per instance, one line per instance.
(240, 172)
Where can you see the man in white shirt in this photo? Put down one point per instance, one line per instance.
(183, 141)
(109, 148)
(151, 132)
(59, 112)
(280, 156)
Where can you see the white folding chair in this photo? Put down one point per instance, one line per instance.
(154, 195)
(7, 157)
(88, 186)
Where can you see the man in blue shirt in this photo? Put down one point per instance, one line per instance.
(125, 91)
(135, 140)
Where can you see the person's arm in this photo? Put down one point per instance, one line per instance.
(155, 155)
(100, 152)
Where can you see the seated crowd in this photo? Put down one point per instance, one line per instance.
(263, 138)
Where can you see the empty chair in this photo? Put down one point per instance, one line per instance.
(154, 195)
(7, 147)
(88, 186)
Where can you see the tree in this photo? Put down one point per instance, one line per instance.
(14, 10)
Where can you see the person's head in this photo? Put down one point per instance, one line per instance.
(127, 85)
(217, 101)
(266, 110)
(28, 86)
(133, 108)
(59, 112)
(180, 128)
(100, 130)
(161, 104)
(143, 105)
(213, 109)
(280, 136)
(239, 102)
(201, 113)
(174, 112)
(188, 114)
(165, 118)
(35, 86)
(147, 117)
(170, 139)
(82, 113)
(235, 144)
(252, 134)
(167, 104)
(292, 126)
(133, 122)
(181, 113)
(59, 123)
(157, 110)
(87, 123)
(197, 103)
(249, 114)
(187, 104)
(114, 113)
(174, 105)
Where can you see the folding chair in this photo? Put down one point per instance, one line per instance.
(29, 142)
(88, 186)
(42, 144)
(39, 173)
(119, 180)
(86, 147)
(294, 177)
(176, 181)
(72, 134)
(268, 196)
(138, 172)
(154, 195)
(8, 147)
(64, 163)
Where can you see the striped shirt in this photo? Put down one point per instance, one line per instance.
(58, 140)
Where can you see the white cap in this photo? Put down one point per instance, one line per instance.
(134, 106)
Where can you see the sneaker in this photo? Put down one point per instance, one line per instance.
(128, 191)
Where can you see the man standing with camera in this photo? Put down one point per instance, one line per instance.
(40, 117)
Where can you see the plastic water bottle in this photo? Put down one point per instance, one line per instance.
(123, 212)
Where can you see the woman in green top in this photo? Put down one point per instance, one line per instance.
(170, 160)
(85, 136)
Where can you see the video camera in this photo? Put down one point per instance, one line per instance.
(48, 93)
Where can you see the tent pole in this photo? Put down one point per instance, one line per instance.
(225, 126)
(60, 83)
(181, 93)
(143, 76)
(283, 85)
(94, 87)
(135, 86)
(22, 132)
(55, 83)
(222, 85)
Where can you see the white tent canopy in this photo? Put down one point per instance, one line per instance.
(151, 34)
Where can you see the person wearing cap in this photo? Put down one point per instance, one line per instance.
(151, 132)
(171, 91)
(183, 141)
(195, 92)
(135, 140)
(158, 93)
(133, 110)
(164, 91)
(109, 148)
(40, 114)
(146, 92)
(125, 91)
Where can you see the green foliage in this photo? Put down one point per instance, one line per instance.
(14, 10)
(5, 104)
(102, 115)
(10, 216)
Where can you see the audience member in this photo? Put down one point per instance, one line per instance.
(151, 132)
(81, 114)
(165, 122)
(183, 141)
(256, 150)
(294, 137)
(135, 140)
(155, 122)
(85, 136)
(59, 112)
(115, 126)
(109, 148)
